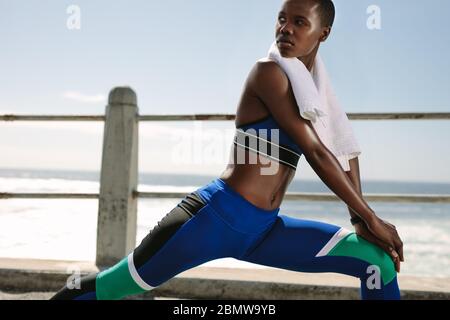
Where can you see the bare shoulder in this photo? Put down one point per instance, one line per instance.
(266, 75)
(267, 67)
(273, 88)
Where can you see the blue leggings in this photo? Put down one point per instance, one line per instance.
(216, 222)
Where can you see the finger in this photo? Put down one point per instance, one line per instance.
(389, 224)
(392, 252)
(395, 258)
(389, 249)
(400, 252)
(399, 247)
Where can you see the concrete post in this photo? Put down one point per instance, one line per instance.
(117, 211)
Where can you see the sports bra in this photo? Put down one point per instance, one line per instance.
(249, 136)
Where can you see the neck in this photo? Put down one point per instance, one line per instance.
(308, 60)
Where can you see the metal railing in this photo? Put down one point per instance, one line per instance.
(223, 117)
(117, 213)
(294, 196)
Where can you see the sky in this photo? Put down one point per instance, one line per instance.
(186, 57)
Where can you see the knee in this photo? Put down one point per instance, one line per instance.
(379, 262)
(385, 267)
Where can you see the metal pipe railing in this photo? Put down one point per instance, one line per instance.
(305, 196)
(223, 117)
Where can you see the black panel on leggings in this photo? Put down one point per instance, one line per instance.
(166, 228)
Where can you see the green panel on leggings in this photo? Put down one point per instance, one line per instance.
(354, 246)
(116, 282)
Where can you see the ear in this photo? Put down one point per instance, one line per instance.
(325, 33)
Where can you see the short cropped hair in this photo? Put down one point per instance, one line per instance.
(327, 12)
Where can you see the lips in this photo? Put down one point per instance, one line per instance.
(285, 41)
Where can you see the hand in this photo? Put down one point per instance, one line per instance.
(363, 231)
(387, 233)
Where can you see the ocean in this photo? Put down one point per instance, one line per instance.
(65, 229)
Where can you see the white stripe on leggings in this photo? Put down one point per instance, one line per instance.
(135, 275)
(338, 236)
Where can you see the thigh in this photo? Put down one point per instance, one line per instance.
(313, 246)
(305, 245)
(291, 241)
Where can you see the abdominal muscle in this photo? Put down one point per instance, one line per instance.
(247, 179)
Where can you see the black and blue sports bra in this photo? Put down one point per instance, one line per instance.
(250, 137)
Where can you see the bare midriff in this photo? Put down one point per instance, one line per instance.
(263, 191)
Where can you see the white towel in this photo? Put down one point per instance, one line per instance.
(317, 101)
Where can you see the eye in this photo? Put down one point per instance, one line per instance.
(300, 21)
(280, 18)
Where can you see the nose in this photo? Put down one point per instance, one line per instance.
(286, 29)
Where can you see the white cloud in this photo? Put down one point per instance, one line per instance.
(77, 96)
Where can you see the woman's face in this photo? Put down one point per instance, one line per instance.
(299, 24)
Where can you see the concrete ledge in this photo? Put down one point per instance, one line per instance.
(31, 275)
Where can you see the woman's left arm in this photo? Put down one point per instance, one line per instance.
(360, 227)
(353, 175)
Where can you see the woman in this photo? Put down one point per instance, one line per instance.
(237, 214)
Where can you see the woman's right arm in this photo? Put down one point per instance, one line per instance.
(271, 85)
